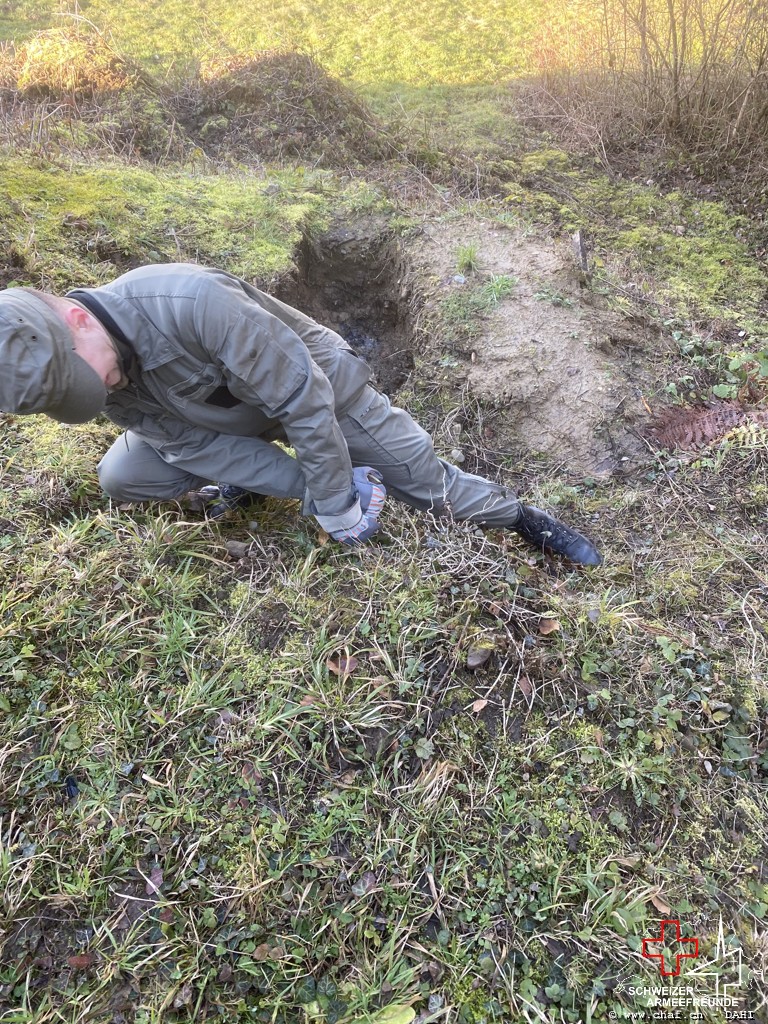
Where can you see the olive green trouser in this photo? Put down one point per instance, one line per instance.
(377, 434)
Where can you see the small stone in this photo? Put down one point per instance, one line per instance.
(237, 548)
(459, 279)
(478, 656)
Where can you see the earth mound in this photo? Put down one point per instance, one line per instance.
(280, 104)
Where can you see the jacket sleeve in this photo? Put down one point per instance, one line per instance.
(267, 365)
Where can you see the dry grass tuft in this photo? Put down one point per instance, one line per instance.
(69, 90)
(66, 63)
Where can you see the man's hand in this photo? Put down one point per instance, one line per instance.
(358, 534)
(361, 521)
(370, 487)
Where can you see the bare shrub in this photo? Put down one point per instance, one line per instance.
(69, 90)
(629, 72)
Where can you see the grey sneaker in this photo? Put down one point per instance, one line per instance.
(223, 498)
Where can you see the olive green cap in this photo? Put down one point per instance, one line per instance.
(40, 372)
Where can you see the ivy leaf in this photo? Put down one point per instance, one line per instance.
(71, 739)
(364, 884)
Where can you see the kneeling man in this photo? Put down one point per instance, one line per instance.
(205, 372)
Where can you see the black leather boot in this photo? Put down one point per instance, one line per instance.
(543, 531)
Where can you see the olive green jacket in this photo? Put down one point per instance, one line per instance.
(216, 365)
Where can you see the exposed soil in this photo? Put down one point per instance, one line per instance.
(568, 373)
(564, 374)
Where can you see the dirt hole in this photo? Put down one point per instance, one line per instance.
(352, 279)
(559, 376)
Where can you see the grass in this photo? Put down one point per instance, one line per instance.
(460, 315)
(270, 786)
(424, 43)
(468, 258)
(296, 819)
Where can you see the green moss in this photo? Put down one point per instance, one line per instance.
(544, 161)
(86, 224)
(687, 255)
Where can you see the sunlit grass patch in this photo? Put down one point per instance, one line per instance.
(83, 226)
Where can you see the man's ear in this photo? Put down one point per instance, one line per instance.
(77, 318)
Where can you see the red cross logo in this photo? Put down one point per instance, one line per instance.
(668, 939)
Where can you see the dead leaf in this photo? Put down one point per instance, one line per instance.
(323, 538)
(250, 773)
(307, 700)
(525, 686)
(342, 665)
(661, 906)
(626, 862)
(478, 705)
(478, 656)
(261, 952)
(183, 997)
(81, 960)
(167, 915)
(155, 880)
(547, 626)
(382, 687)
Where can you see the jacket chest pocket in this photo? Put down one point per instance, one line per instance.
(196, 388)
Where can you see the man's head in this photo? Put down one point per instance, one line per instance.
(55, 357)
